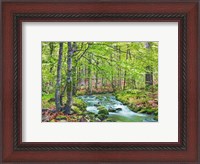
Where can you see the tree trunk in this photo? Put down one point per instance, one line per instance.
(58, 82)
(149, 76)
(119, 70)
(149, 72)
(69, 78)
(74, 80)
(86, 74)
(51, 47)
(112, 74)
(78, 77)
(62, 95)
(89, 76)
(97, 79)
(127, 53)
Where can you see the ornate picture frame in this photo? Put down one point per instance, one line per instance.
(14, 150)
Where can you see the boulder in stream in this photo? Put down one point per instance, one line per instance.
(118, 109)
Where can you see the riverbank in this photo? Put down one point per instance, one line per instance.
(140, 101)
(99, 108)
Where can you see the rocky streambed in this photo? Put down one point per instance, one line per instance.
(115, 111)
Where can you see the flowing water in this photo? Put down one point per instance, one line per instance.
(123, 114)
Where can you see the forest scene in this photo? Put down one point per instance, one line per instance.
(100, 81)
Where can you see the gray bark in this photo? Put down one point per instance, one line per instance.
(58, 82)
(149, 72)
(127, 53)
(69, 78)
(97, 78)
(89, 75)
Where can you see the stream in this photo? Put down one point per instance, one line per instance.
(122, 114)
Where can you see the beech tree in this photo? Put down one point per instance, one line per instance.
(58, 82)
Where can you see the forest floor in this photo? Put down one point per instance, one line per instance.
(139, 101)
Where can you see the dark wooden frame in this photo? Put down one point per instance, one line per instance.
(185, 150)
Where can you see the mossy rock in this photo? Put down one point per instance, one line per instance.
(142, 111)
(149, 111)
(155, 118)
(101, 108)
(91, 116)
(112, 110)
(135, 109)
(79, 103)
(61, 117)
(156, 112)
(76, 110)
(100, 97)
(97, 120)
(102, 117)
(98, 104)
(118, 109)
(104, 112)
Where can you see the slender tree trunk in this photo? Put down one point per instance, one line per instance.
(62, 95)
(112, 74)
(78, 77)
(74, 80)
(97, 79)
(149, 72)
(69, 78)
(127, 53)
(58, 82)
(133, 83)
(102, 83)
(51, 47)
(86, 76)
(119, 70)
(149, 76)
(89, 76)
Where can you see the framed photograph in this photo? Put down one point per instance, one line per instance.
(100, 81)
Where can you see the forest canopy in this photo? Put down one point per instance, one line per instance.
(127, 70)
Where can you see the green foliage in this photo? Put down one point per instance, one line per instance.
(79, 103)
(47, 101)
(76, 110)
(141, 101)
(100, 67)
(109, 59)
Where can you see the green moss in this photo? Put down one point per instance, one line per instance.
(149, 111)
(101, 108)
(61, 117)
(100, 97)
(80, 93)
(142, 111)
(103, 112)
(46, 104)
(47, 101)
(48, 96)
(138, 100)
(155, 118)
(102, 117)
(79, 103)
(156, 112)
(76, 110)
